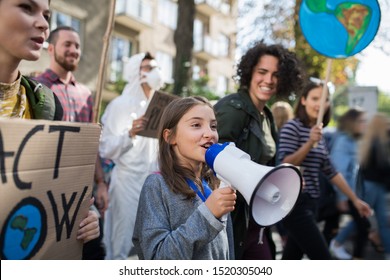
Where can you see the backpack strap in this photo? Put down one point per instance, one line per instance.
(43, 102)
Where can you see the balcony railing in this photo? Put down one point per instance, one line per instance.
(140, 9)
(212, 6)
(206, 46)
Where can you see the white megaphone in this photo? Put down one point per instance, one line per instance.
(271, 192)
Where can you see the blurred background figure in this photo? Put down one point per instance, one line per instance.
(374, 159)
(282, 112)
(328, 214)
(344, 153)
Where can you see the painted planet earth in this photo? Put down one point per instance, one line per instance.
(24, 230)
(337, 28)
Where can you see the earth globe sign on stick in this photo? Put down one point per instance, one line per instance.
(338, 29)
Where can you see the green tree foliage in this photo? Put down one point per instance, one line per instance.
(384, 103)
(197, 87)
(200, 87)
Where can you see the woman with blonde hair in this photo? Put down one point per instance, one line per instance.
(282, 112)
(374, 158)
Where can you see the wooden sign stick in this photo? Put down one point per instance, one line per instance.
(324, 91)
(324, 94)
(103, 62)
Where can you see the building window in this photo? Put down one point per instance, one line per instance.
(120, 48)
(60, 19)
(225, 7)
(198, 35)
(222, 85)
(167, 13)
(203, 42)
(165, 61)
(223, 45)
(222, 6)
(141, 9)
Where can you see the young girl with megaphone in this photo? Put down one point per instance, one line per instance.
(181, 211)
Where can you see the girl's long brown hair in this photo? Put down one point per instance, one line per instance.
(175, 174)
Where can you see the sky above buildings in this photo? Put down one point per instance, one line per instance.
(373, 69)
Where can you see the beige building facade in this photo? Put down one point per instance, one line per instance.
(147, 25)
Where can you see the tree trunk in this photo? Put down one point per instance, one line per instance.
(184, 42)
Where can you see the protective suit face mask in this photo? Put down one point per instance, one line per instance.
(153, 78)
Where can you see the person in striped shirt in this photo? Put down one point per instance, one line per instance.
(301, 143)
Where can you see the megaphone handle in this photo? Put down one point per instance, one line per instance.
(261, 233)
(224, 184)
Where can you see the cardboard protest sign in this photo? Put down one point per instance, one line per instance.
(46, 173)
(154, 112)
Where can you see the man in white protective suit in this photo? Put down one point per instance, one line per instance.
(135, 156)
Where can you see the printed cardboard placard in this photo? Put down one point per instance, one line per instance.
(154, 112)
(46, 173)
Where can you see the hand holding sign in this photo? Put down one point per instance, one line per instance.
(138, 125)
(89, 227)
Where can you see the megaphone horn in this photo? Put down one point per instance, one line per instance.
(271, 192)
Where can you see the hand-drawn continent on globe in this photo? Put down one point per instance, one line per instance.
(355, 18)
(20, 223)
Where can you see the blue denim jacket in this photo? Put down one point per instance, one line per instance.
(344, 158)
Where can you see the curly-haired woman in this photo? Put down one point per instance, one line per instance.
(243, 118)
